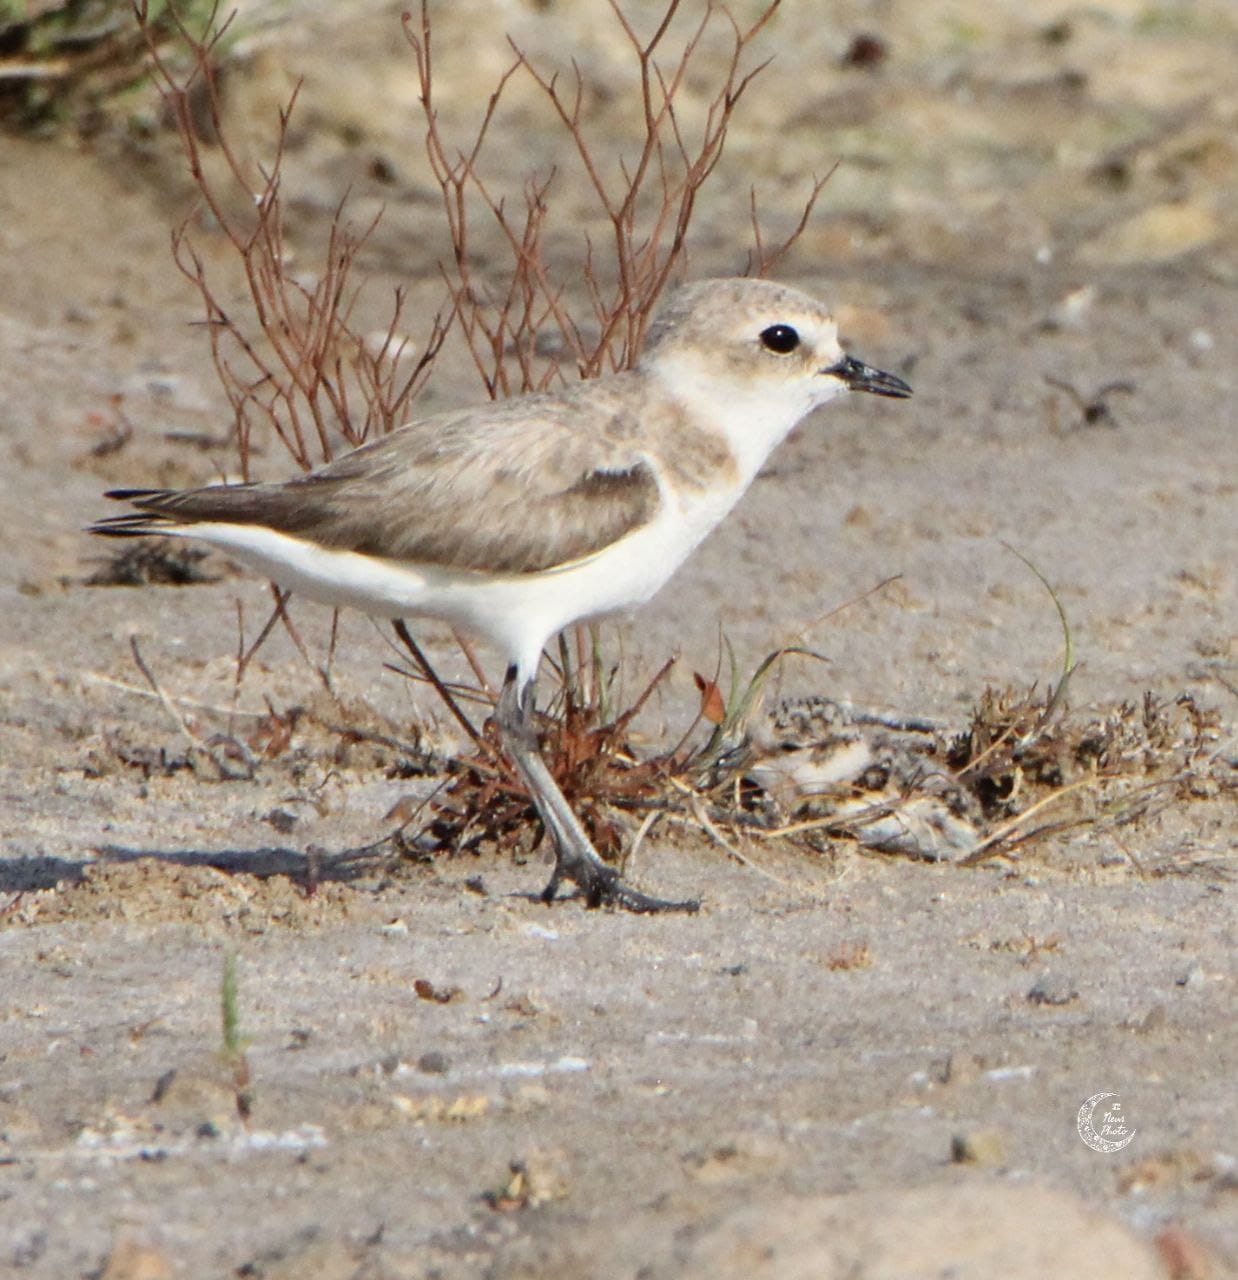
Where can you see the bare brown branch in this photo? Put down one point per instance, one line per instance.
(295, 365)
(648, 209)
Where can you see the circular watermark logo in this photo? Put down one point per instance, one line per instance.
(1101, 1123)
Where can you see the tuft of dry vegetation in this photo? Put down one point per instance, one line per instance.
(296, 366)
(1104, 770)
(140, 563)
(1024, 770)
(64, 62)
(591, 759)
(819, 776)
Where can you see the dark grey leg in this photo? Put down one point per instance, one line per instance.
(575, 857)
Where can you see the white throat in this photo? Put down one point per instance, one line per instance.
(752, 416)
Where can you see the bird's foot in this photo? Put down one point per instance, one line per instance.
(602, 886)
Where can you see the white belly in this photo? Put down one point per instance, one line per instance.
(517, 613)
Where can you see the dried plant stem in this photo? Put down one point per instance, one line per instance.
(214, 709)
(246, 656)
(470, 656)
(648, 210)
(1057, 699)
(648, 822)
(987, 848)
(704, 822)
(448, 698)
(281, 597)
(763, 261)
(196, 745)
(157, 689)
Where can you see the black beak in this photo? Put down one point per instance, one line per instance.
(862, 377)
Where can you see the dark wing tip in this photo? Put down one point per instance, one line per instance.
(135, 495)
(136, 524)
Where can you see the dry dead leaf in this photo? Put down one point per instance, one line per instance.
(713, 705)
(438, 995)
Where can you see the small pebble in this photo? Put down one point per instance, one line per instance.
(1054, 989)
(961, 1068)
(1072, 309)
(865, 51)
(1154, 1020)
(982, 1146)
(282, 820)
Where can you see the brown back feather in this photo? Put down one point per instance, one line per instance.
(516, 490)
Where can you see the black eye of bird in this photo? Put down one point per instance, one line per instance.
(781, 339)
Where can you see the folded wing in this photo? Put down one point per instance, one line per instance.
(519, 487)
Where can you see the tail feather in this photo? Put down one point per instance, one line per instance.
(163, 511)
(137, 496)
(134, 524)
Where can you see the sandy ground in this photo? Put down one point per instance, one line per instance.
(847, 1066)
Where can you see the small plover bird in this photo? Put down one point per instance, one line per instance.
(518, 518)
